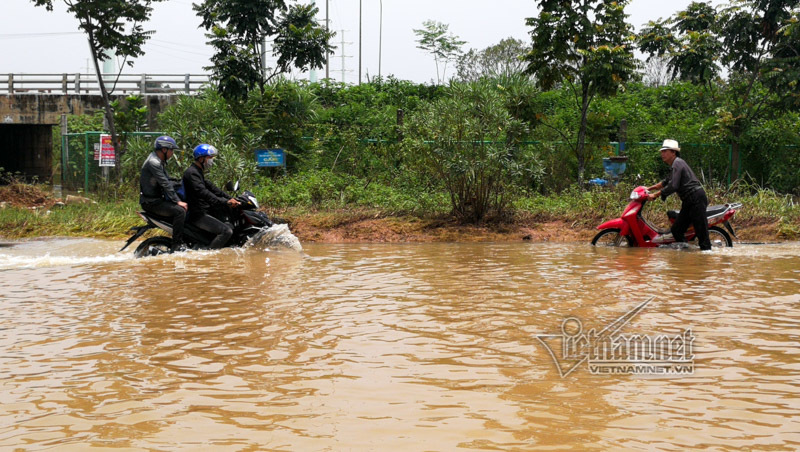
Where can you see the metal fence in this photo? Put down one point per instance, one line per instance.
(79, 165)
(142, 84)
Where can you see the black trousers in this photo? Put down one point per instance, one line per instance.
(693, 212)
(170, 210)
(210, 224)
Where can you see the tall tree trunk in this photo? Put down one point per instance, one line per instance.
(580, 147)
(109, 112)
(735, 158)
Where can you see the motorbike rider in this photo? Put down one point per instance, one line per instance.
(204, 197)
(681, 180)
(157, 193)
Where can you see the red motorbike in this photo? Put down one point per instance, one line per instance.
(631, 229)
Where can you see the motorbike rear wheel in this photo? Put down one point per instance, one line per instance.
(611, 237)
(719, 237)
(154, 246)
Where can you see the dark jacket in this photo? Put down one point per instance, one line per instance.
(154, 183)
(681, 180)
(202, 195)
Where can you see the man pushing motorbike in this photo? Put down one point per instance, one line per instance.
(157, 193)
(681, 180)
(205, 197)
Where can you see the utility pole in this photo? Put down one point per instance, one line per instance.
(327, 52)
(344, 67)
(380, 41)
(359, 42)
(312, 74)
(264, 43)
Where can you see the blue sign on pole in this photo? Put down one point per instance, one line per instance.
(270, 158)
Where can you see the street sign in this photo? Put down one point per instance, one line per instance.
(270, 158)
(107, 155)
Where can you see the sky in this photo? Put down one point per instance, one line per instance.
(35, 41)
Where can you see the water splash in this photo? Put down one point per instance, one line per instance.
(276, 236)
(8, 261)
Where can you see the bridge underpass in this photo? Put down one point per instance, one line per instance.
(32, 105)
(27, 149)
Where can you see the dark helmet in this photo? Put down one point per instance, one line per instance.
(204, 150)
(165, 142)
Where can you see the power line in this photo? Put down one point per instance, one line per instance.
(172, 55)
(179, 44)
(178, 50)
(38, 35)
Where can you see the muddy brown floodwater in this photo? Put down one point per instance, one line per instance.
(390, 347)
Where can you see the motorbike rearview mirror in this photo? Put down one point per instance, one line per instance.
(232, 186)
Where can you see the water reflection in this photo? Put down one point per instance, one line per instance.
(389, 347)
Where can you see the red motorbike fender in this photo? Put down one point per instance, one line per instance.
(617, 223)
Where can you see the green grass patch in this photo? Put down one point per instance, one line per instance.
(105, 219)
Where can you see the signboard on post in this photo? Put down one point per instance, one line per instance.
(97, 151)
(107, 154)
(270, 158)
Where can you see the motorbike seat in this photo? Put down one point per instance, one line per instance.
(167, 220)
(715, 210)
(710, 211)
(189, 229)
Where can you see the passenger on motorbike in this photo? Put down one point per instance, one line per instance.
(694, 202)
(204, 197)
(157, 193)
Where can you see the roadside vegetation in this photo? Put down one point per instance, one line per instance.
(510, 142)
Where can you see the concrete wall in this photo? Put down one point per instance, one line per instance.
(47, 108)
(26, 120)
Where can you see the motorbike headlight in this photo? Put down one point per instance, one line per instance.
(635, 195)
(253, 200)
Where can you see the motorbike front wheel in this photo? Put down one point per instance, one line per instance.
(611, 237)
(719, 237)
(154, 246)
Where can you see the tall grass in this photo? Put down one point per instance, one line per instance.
(105, 219)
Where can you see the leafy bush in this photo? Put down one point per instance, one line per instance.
(470, 142)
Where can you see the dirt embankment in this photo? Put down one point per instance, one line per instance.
(411, 229)
(25, 196)
(351, 226)
(327, 227)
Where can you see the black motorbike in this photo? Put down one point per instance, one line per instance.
(246, 220)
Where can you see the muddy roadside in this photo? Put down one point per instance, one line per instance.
(29, 211)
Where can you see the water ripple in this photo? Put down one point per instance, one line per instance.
(389, 347)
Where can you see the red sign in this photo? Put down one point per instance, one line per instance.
(107, 154)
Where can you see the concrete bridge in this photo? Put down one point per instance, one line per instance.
(32, 104)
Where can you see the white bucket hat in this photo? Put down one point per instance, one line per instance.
(670, 144)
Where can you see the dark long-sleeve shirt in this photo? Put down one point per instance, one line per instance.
(681, 180)
(201, 195)
(154, 183)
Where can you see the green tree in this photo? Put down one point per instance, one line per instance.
(754, 42)
(112, 27)
(238, 29)
(434, 38)
(582, 44)
(469, 142)
(502, 60)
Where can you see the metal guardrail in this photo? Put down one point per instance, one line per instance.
(141, 84)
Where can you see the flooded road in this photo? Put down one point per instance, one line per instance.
(390, 347)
